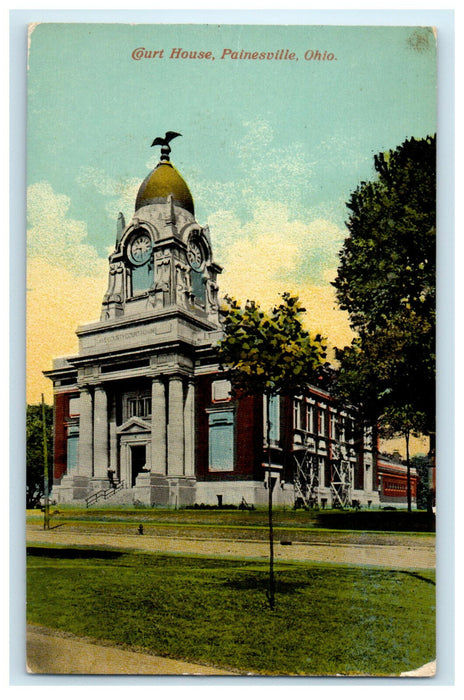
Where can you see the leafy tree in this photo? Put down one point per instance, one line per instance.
(387, 265)
(35, 452)
(357, 379)
(386, 282)
(269, 353)
(421, 464)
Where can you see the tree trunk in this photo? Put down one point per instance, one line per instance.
(271, 593)
(431, 473)
(408, 468)
(375, 453)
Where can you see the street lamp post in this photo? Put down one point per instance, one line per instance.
(45, 456)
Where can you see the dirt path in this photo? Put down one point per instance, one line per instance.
(391, 556)
(49, 651)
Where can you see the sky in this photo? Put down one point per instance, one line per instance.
(270, 149)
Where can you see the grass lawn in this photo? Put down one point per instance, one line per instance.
(297, 526)
(394, 521)
(328, 619)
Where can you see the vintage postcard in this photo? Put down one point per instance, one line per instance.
(231, 350)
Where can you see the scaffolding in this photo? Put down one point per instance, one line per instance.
(306, 478)
(340, 484)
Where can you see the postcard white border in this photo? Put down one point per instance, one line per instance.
(444, 21)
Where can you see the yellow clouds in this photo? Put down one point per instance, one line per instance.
(267, 257)
(57, 302)
(256, 278)
(323, 314)
(65, 281)
(252, 267)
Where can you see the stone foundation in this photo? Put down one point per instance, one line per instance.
(159, 490)
(213, 493)
(72, 489)
(153, 490)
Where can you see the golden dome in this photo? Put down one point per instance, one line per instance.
(161, 182)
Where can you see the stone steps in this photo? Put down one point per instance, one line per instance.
(121, 497)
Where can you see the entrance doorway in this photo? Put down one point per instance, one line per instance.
(138, 461)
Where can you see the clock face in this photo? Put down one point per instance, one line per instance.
(140, 249)
(195, 255)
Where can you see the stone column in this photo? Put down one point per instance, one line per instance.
(125, 464)
(85, 449)
(158, 427)
(113, 438)
(100, 433)
(189, 428)
(176, 427)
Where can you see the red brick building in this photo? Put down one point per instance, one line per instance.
(393, 481)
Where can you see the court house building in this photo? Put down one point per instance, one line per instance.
(145, 405)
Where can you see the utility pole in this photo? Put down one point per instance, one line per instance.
(270, 483)
(45, 456)
(408, 472)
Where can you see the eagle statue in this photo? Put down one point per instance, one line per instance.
(164, 143)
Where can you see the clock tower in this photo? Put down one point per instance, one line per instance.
(162, 257)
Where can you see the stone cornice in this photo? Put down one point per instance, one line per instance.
(174, 312)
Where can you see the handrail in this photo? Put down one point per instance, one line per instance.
(94, 497)
(103, 493)
(112, 490)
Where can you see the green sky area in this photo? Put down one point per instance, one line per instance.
(301, 133)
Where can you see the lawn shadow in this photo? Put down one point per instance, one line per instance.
(419, 576)
(71, 553)
(253, 583)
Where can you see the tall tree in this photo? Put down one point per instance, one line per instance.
(386, 281)
(387, 265)
(35, 451)
(269, 354)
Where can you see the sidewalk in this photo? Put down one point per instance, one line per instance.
(49, 651)
(52, 652)
(371, 555)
